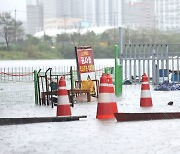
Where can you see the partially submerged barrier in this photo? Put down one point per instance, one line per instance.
(120, 117)
(29, 120)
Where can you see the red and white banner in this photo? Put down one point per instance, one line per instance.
(85, 60)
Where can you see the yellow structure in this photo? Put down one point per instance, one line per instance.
(88, 84)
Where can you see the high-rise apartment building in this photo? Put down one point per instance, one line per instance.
(102, 13)
(89, 13)
(168, 15)
(139, 14)
(62, 14)
(34, 16)
(116, 13)
(56, 8)
(76, 9)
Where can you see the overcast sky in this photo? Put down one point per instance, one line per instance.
(11, 5)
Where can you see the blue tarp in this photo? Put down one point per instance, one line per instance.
(167, 86)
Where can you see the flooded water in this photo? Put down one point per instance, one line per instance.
(89, 135)
(92, 136)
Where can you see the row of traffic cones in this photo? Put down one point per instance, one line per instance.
(107, 105)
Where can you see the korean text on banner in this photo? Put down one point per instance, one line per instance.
(85, 60)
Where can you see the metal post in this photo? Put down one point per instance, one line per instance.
(139, 65)
(130, 56)
(72, 95)
(118, 74)
(121, 44)
(167, 60)
(36, 87)
(78, 71)
(144, 59)
(163, 58)
(173, 73)
(178, 68)
(135, 63)
(153, 65)
(72, 77)
(39, 88)
(157, 66)
(148, 59)
(125, 62)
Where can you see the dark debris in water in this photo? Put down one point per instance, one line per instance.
(167, 86)
(170, 103)
(127, 82)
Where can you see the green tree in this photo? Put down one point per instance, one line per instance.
(62, 38)
(10, 29)
(75, 39)
(47, 39)
(31, 40)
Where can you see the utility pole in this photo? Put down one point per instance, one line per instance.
(104, 20)
(15, 25)
(115, 15)
(121, 31)
(65, 22)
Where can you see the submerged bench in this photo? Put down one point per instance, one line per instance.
(71, 91)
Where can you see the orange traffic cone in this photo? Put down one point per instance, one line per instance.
(111, 93)
(105, 106)
(146, 100)
(63, 105)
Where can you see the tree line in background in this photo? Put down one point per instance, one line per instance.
(62, 46)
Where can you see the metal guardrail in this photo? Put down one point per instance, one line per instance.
(152, 59)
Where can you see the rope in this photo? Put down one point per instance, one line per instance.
(16, 74)
(102, 69)
(99, 70)
(96, 70)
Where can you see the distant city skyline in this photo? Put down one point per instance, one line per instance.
(72, 14)
(163, 15)
(20, 7)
